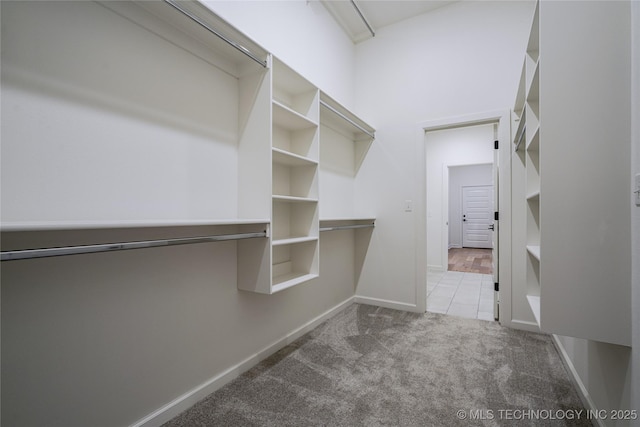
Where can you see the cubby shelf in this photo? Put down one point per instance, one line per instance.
(288, 280)
(293, 199)
(291, 159)
(534, 196)
(534, 251)
(289, 118)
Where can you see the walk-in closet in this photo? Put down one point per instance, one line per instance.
(190, 186)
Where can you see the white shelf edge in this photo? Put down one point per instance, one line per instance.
(90, 225)
(298, 159)
(534, 250)
(520, 130)
(348, 219)
(292, 279)
(533, 195)
(344, 119)
(299, 117)
(293, 199)
(519, 104)
(188, 19)
(534, 303)
(332, 103)
(293, 240)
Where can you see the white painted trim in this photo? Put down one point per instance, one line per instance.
(523, 325)
(181, 403)
(463, 121)
(435, 268)
(395, 305)
(575, 378)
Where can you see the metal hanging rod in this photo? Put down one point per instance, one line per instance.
(355, 6)
(109, 247)
(347, 227)
(212, 30)
(342, 116)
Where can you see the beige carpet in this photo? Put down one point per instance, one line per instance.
(372, 366)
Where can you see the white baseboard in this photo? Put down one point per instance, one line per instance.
(435, 268)
(523, 325)
(577, 381)
(184, 402)
(396, 305)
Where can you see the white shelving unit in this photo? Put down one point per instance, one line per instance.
(569, 179)
(526, 142)
(246, 159)
(295, 155)
(133, 130)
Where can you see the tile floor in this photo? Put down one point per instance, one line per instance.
(460, 294)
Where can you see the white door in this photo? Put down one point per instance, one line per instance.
(477, 216)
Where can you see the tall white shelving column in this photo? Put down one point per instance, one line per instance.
(295, 154)
(570, 176)
(532, 162)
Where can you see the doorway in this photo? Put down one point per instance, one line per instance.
(429, 225)
(460, 209)
(471, 206)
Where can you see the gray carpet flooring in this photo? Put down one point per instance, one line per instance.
(371, 366)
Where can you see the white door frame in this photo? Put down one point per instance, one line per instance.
(502, 117)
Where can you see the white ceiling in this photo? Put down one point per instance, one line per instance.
(378, 13)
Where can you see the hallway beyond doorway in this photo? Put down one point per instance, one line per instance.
(470, 260)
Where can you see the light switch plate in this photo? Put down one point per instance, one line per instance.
(408, 205)
(636, 190)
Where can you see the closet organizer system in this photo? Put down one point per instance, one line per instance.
(570, 276)
(526, 148)
(282, 156)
